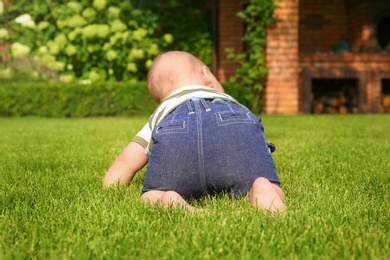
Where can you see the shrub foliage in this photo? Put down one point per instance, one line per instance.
(102, 40)
(95, 40)
(73, 100)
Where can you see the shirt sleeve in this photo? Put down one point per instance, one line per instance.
(143, 137)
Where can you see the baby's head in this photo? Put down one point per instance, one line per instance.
(176, 69)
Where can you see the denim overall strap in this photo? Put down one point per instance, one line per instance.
(195, 104)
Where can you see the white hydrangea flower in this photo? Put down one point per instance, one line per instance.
(35, 74)
(4, 34)
(47, 59)
(61, 23)
(113, 40)
(132, 67)
(56, 65)
(66, 78)
(148, 63)
(103, 30)
(86, 82)
(78, 30)
(75, 6)
(89, 12)
(89, 31)
(72, 35)
(118, 26)
(96, 30)
(111, 55)
(42, 49)
(114, 11)
(25, 20)
(76, 21)
(118, 35)
(5, 73)
(136, 54)
(125, 36)
(60, 39)
(54, 49)
(168, 38)
(1, 7)
(70, 50)
(43, 25)
(139, 34)
(94, 76)
(19, 50)
(106, 46)
(90, 48)
(30, 24)
(99, 4)
(153, 49)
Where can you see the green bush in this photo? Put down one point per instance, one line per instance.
(241, 94)
(37, 98)
(74, 100)
(100, 40)
(93, 40)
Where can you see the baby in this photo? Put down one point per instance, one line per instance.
(198, 141)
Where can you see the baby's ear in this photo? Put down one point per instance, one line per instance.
(210, 80)
(207, 77)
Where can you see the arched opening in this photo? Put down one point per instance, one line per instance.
(385, 96)
(383, 33)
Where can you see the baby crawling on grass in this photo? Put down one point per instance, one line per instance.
(199, 141)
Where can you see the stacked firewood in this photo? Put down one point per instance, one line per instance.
(385, 103)
(342, 101)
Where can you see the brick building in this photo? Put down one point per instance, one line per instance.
(318, 49)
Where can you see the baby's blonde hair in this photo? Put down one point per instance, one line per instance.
(169, 68)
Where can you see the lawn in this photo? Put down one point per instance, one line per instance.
(335, 171)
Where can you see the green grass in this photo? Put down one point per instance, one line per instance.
(335, 171)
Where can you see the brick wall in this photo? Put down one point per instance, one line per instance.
(230, 29)
(281, 95)
(304, 29)
(322, 24)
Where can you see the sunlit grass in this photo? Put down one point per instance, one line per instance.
(335, 171)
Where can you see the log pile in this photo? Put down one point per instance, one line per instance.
(385, 103)
(343, 101)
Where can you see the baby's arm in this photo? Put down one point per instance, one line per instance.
(126, 165)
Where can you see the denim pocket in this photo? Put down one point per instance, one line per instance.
(174, 126)
(228, 118)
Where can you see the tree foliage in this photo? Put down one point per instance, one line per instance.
(189, 21)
